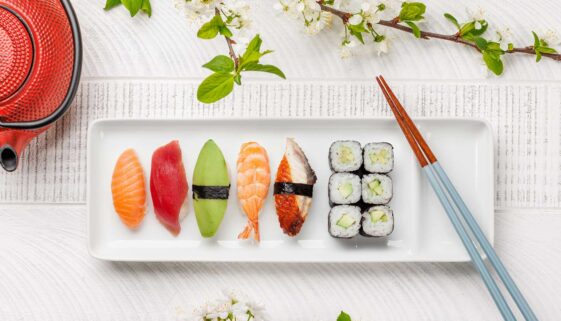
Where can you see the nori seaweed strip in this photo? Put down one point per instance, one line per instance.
(211, 192)
(294, 189)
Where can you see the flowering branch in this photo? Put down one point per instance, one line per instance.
(394, 23)
(230, 43)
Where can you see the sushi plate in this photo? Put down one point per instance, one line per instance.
(422, 230)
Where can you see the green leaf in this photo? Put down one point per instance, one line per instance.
(252, 52)
(264, 68)
(538, 56)
(412, 11)
(452, 19)
(215, 87)
(467, 28)
(548, 50)
(481, 43)
(146, 7)
(225, 31)
(494, 46)
(344, 317)
(133, 6)
(238, 79)
(510, 46)
(469, 31)
(493, 62)
(210, 29)
(536, 40)
(414, 28)
(110, 4)
(220, 63)
(357, 35)
(481, 30)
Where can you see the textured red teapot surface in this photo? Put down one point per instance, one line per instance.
(38, 63)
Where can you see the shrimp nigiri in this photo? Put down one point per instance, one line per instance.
(129, 189)
(254, 178)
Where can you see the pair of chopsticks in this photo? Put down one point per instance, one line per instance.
(448, 195)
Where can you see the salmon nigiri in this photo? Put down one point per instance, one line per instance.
(254, 178)
(129, 189)
(168, 186)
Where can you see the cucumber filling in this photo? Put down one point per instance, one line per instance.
(378, 216)
(380, 157)
(346, 155)
(345, 221)
(376, 187)
(346, 189)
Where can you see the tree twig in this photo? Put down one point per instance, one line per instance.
(394, 24)
(230, 42)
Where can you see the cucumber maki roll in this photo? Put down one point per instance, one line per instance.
(378, 157)
(345, 156)
(377, 221)
(344, 221)
(344, 189)
(376, 189)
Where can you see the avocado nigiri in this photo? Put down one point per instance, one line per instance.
(211, 187)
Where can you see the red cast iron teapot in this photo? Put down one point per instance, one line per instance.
(40, 64)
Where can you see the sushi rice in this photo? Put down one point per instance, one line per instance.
(377, 221)
(344, 188)
(345, 156)
(376, 189)
(344, 221)
(378, 157)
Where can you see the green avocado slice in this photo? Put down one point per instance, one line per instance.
(376, 187)
(346, 155)
(381, 157)
(210, 170)
(378, 216)
(345, 221)
(346, 189)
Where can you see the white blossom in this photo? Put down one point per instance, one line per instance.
(551, 37)
(355, 19)
(383, 46)
(370, 12)
(504, 37)
(476, 13)
(346, 48)
(258, 311)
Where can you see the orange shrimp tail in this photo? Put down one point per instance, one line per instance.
(251, 226)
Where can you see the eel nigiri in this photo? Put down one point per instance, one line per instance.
(129, 189)
(254, 178)
(294, 186)
(168, 186)
(211, 188)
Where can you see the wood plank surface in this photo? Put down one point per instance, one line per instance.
(48, 275)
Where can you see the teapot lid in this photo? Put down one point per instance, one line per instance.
(16, 53)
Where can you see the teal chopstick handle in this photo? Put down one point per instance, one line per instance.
(486, 246)
(470, 247)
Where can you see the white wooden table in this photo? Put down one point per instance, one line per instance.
(149, 68)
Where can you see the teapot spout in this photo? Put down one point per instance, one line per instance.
(8, 158)
(12, 144)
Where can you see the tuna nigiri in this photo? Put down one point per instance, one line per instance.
(168, 186)
(254, 178)
(294, 187)
(129, 189)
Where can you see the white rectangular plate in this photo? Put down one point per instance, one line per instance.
(422, 230)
